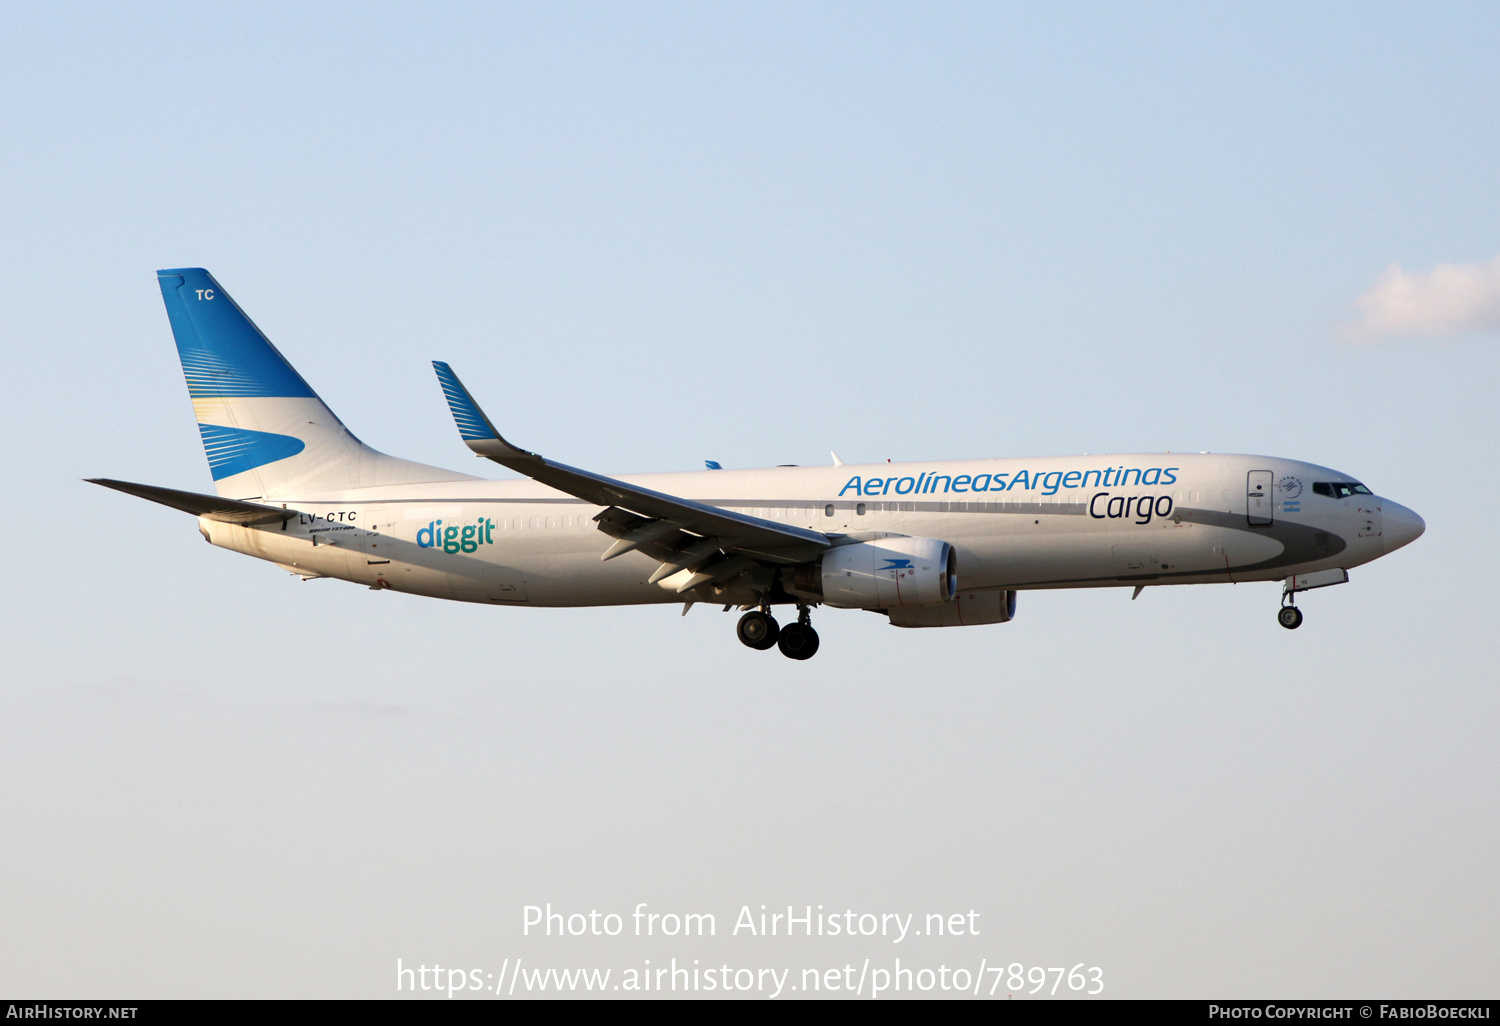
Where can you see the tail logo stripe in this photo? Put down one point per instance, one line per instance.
(235, 450)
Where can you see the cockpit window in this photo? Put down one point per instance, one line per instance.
(1339, 489)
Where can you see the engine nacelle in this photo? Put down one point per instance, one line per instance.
(892, 573)
(969, 609)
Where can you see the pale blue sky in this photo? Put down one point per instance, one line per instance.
(647, 235)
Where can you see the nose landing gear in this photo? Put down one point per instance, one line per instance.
(1289, 617)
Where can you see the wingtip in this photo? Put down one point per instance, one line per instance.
(472, 424)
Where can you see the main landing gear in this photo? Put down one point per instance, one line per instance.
(759, 630)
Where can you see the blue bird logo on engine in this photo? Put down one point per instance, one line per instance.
(897, 564)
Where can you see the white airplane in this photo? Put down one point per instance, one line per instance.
(927, 544)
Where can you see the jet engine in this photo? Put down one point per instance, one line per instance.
(892, 573)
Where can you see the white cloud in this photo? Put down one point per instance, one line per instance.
(1450, 299)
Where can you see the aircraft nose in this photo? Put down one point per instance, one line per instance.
(1402, 526)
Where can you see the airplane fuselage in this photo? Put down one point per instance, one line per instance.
(1056, 522)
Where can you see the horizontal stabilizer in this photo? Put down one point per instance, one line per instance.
(229, 511)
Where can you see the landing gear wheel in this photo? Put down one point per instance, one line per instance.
(798, 641)
(758, 630)
(1290, 617)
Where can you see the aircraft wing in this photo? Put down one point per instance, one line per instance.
(230, 511)
(681, 533)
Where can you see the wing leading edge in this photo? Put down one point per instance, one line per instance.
(716, 544)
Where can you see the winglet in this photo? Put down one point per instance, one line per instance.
(473, 426)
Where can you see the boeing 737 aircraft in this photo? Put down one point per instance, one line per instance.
(928, 544)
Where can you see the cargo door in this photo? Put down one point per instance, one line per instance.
(507, 584)
(475, 572)
(1134, 561)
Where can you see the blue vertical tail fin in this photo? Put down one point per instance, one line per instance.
(265, 431)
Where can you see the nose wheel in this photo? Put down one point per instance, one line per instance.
(1289, 617)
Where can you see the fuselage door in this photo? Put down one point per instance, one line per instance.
(1258, 499)
(368, 548)
(375, 535)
